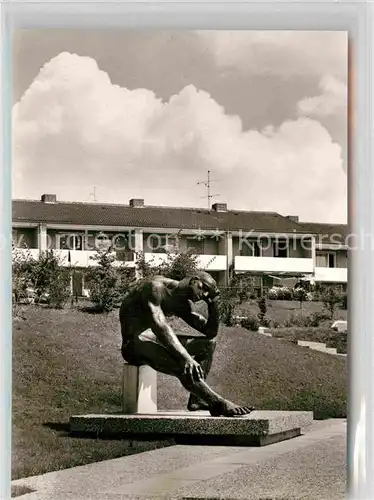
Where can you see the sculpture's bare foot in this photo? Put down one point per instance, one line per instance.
(196, 404)
(230, 410)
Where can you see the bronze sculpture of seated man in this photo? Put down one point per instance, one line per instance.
(148, 339)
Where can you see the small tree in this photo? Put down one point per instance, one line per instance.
(243, 284)
(50, 280)
(22, 273)
(330, 299)
(263, 310)
(228, 302)
(146, 269)
(179, 265)
(344, 301)
(104, 281)
(239, 290)
(301, 295)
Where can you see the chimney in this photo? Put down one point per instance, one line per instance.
(294, 218)
(136, 202)
(219, 207)
(48, 198)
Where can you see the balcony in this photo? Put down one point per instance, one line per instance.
(274, 265)
(82, 258)
(331, 274)
(79, 258)
(206, 262)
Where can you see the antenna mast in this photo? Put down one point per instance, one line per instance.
(93, 194)
(207, 184)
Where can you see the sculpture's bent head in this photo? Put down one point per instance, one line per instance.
(199, 286)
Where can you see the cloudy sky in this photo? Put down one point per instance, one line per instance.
(145, 114)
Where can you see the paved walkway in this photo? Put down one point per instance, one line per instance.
(309, 467)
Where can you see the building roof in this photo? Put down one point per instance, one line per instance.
(332, 232)
(152, 217)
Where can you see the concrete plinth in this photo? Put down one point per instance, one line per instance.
(257, 429)
(139, 389)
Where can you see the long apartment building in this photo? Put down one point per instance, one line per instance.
(267, 245)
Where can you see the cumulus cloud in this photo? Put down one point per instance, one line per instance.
(329, 107)
(287, 53)
(74, 129)
(331, 101)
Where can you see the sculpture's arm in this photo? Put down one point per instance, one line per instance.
(162, 329)
(207, 326)
(190, 368)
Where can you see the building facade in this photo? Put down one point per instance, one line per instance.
(266, 245)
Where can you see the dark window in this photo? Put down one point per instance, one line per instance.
(280, 248)
(162, 243)
(195, 245)
(321, 259)
(78, 243)
(70, 242)
(251, 249)
(331, 259)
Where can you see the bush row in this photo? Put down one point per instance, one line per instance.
(313, 320)
(322, 293)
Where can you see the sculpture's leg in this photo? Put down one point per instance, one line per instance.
(202, 349)
(147, 350)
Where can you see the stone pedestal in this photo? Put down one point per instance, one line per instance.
(260, 428)
(139, 390)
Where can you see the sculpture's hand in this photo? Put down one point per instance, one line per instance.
(192, 370)
(212, 295)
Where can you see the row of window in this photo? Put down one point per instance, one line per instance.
(161, 243)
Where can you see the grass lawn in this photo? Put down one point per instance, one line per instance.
(327, 336)
(68, 362)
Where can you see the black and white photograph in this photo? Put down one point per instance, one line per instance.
(179, 264)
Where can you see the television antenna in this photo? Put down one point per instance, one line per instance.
(207, 184)
(93, 194)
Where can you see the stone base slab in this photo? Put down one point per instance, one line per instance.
(260, 428)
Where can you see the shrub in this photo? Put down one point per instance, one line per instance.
(250, 323)
(263, 308)
(59, 290)
(301, 295)
(22, 274)
(344, 301)
(330, 298)
(108, 284)
(317, 318)
(50, 280)
(243, 284)
(239, 290)
(227, 303)
(286, 294)
(273, 293)
(179, 265)
(266, 321)
(40, 280)
(144, 268)
(296, 320)
(125, 277)
(104, 282)
(280, 293)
